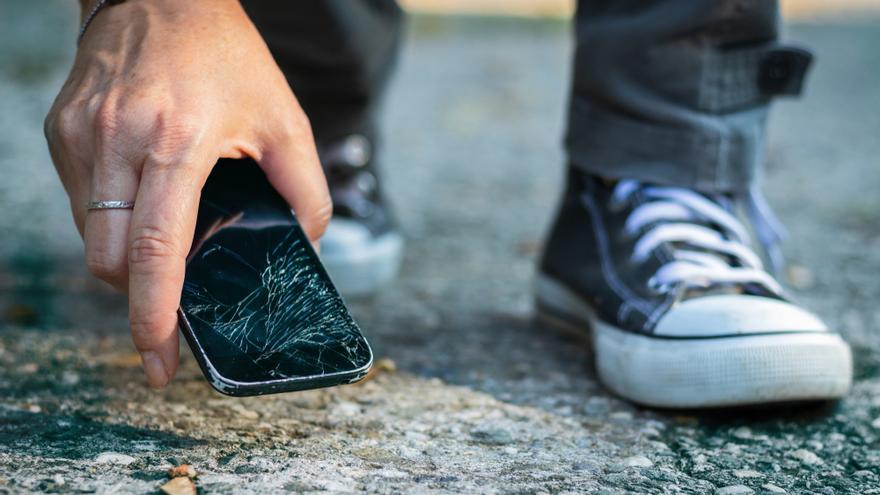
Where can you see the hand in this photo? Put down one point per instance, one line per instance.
(159, 91)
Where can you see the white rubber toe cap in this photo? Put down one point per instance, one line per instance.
(344, 236)
(730, 315)
(359, 262)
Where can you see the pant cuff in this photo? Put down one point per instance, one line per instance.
(721, 155)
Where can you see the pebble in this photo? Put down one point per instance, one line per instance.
(770, 487)
(815, 445)
(876, 423)
(414, 436)
(387, 365)
(799, 277)
(183, 470)
(70, 378)
(248, 414)
(347, 409)
(633, 461)
(863, 474)
(837, 437)
(806, 457)
(492, 436)
(621, 416)
(734, 490)
(179, 486)
(597, 406)
(409, 453)
(650, 432)
(114, 458)
(743, 433)
(746, 473)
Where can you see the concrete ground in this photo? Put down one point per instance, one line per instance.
(472, 394)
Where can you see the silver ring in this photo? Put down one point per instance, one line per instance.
(110, 205)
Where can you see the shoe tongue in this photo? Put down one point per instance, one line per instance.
(715, 290)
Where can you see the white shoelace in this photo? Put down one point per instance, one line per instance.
(703, 256)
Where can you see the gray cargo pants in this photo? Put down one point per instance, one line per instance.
(667, 91)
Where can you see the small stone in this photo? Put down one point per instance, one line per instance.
(114, 458)
(770, 487)
(28, 368)
(746, 473)
(632, 461)
(416, 437)
(179, 486)
(596, 406)
(653, 423)
(386, 365)
(806, 457)
(837, 437)
(650, 432)
(734, 490)
(409, 453)
(621, 416)
(56, 484)
(70, 378)
(183, 470)
(346, 409)
(876, 423)
(248, 414)
(492, 436)
(864, 473)
(298, 486)
(815, 445)
(799, 276)
(743, 433)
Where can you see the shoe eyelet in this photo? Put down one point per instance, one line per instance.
(657, 288)
(356, 150)
(366, 182)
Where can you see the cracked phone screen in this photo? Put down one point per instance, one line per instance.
(255, 297)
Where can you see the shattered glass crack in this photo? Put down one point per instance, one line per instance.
(275, 312)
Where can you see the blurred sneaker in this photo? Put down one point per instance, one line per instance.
(362, 248)
(681, 311)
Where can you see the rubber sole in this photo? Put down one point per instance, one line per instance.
(361, 271)
(706, 372)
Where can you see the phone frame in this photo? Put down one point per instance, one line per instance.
(235, 388)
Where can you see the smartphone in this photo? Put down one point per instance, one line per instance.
(258, 309)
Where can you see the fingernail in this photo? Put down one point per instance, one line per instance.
(155, 369)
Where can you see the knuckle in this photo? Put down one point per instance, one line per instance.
(298, 125)
(171, 143)
(107, 118)
(151, 245)
(142, 331)
(66, 125)
(103, 265)
(319, 218)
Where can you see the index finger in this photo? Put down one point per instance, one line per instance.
(162, 226)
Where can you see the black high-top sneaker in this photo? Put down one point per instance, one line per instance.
(362, 248)
(681, 312)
